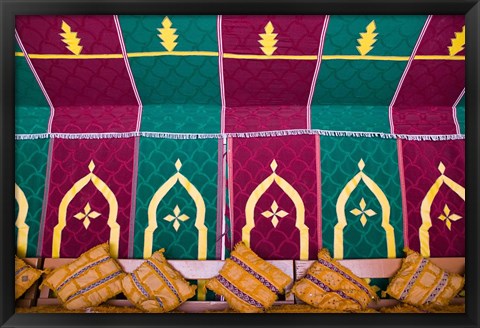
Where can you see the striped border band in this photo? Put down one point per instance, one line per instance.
(76, 274)
(237, 292)
(169, 284)
(412, 280)
(345, 275)
(320, 284)
(441, 284)
(143, 291)
(139, 285)
(21, 270)
(260, 278)
(94, 285)
(160, 302)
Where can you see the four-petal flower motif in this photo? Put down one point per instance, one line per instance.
(274, 214)
(448, 218)
(87, 215)
(363, 212)
(176, 217)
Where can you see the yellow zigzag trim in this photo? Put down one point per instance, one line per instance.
(239, 56)
(458, 43)
(367, 39)
(70, 38)
(167, 34)
(268, 40)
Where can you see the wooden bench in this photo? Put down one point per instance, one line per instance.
(190, 269)
(29, 298)
(200, 270)
(386, 268)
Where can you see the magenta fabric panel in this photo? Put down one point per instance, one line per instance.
(439, 35)
(431, 87)
(274, 185)
(97, 190)
(440, 194)
(296, 35)
(265, 118)
(96, 119)
(257, 89)
(79, 82)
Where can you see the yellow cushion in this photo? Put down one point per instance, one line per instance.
(88, 281)
(25, 276)
(420, 282)
(155, 286)
(248, 283)
(329, 285)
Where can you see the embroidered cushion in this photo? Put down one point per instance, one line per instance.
(420, 282)
(248, 283)
(88, 281)
(25, 276)
(155, 286)
(329, 285)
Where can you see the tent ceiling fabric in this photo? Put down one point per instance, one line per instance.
(209, 74)
(192, 133)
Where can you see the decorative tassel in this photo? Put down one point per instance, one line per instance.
(257, 134)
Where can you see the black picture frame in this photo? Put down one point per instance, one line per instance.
(10, 8)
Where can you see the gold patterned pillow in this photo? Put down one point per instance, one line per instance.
(25, 276)
(329, 285)
(248, 283)
(420, 282)
(88, 281)
(155, 286)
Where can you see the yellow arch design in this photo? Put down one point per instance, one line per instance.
(70, 195)
(199, 220)
(426, 207)
(20, 223)
(292, 194)
(342, 219)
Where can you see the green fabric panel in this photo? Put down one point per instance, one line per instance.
(397, 34)
(379, 285)
(461, 114)
(352, 84)
(156, 165)
(351, 118)
(167, 84)
(195, 33)
(339, 160)
(210, 296)
(32, 111)
(181, 119)
(30, 170)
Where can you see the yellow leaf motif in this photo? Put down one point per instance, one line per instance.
(167, 34)
(364, 213)
(176, 217)
(356, 212)
(268, 40)
(448, 218)
(367, 39)
(275, 214)
(458, 43)
(70, 38)
(87, 215)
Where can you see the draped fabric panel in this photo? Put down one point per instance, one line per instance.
(274, 195)
(362, 203)
(269, 94)
(181, 216)
(192, 133)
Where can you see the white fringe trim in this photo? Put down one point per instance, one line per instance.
(278, 133)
